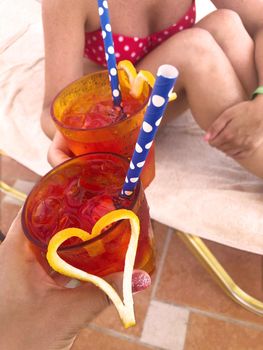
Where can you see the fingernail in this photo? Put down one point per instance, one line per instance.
(140, 281)
(207, 136)
(73, 283)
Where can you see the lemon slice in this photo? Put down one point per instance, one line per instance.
(127, 73)
(125, 308)
(137, 85)
(134, 82)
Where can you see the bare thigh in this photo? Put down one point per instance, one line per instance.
(206, 76)
(229, 32)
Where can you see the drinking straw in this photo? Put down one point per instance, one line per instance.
(166, 77)
(109, 51)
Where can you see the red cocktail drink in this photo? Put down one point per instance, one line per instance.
(76, 194)
(85, 115)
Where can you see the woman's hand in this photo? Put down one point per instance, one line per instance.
(36, 312)
(58, 151)
(238, 131)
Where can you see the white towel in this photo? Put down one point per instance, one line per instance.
(199, 190)
(22, 84)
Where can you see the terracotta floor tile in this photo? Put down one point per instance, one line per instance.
(160, 235)
(7, 214)
(109, 317)
(165, 326)
(185, 282)
(12, 170)
(95, 340)
(205, 333)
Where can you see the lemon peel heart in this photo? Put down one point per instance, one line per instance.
(125, 308)
(134, 82)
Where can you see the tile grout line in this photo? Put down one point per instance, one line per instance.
(186, 328)
(161, 262)
(132, 338)
(123, 336)
(216, 316)
(157, 280)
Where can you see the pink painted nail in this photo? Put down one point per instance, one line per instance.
(207, 136)
(140, 281)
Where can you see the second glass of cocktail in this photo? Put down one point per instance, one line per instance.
(76, 194)
(84, 113)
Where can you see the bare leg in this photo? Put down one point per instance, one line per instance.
(205, 73)
(229, 32)
(208, 78)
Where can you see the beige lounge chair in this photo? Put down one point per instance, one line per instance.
(201, 193)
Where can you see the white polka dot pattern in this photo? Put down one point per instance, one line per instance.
(165, 81)
(140, 164)
(132, 48)
(116, 93)
(157, 100)
(158, 122)
(149, 145)
(113, 71)
(138, 148)
(108, 27)
(147, 127)
(109, 51)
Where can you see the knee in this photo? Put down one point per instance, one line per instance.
(200, 52)
(228, 17)
(225, 20)
(197, 41)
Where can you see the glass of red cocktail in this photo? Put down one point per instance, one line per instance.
(84, 113)
(76, 194)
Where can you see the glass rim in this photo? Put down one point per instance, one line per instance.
(44, 246)
(62, 125)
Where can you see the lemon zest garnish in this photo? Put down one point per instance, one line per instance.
(137, 86)
(134, 82)
(129, 71)
(125, 308)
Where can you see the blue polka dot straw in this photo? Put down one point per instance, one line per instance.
(166, 77)
(109, 51)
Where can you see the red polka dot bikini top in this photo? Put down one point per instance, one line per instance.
(134, 48)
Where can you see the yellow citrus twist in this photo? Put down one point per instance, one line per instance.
(125, 308)
(134, 82)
